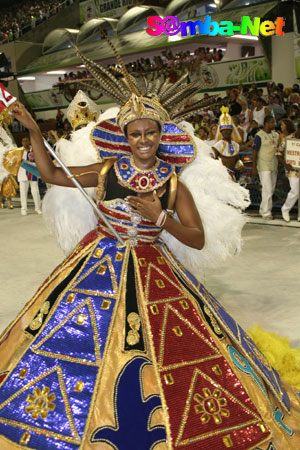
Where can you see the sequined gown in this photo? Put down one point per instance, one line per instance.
(121, 348)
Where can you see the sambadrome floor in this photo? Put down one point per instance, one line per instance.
(261, 284)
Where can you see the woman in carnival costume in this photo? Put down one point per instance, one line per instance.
(121, 347)
(10, 160)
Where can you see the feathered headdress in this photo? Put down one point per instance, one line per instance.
(146, 96)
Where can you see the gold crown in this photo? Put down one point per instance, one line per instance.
(225, 120)
(82, 110)
(139, 107)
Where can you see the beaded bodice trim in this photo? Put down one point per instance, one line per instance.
(126, 221)
(139, 180)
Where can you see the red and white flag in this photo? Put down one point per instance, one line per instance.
(6, 99)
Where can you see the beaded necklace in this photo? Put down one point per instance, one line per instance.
(142, 180)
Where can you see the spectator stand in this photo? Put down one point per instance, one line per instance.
(24, 15)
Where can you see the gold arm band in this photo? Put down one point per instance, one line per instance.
(172, 192)
(102, 176)
(82, 173)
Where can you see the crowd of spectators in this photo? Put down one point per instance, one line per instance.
(249, 106)
(24, 15)
(173, 65)
(178, 61)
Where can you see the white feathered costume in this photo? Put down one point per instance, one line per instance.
(6, 143)
(219, 201)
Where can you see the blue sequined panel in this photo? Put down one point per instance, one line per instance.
(49, 392)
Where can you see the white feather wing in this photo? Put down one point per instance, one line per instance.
(68, 215)
(220, 202)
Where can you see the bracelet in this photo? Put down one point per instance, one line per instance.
(77, 175)
(239, 164)
(161, 219)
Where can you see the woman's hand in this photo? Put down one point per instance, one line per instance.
(149, 210)
(20, 113)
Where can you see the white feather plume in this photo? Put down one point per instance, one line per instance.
(68, 215)
(219, 201)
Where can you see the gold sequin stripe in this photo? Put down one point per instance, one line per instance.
(207, 301)
(122, 283)
(167, 300)
(88, 303)
(143, 309)
(75, 438)
(54, 275)
(37, 430)
(111, 269)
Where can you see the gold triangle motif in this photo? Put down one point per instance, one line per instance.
(201, 407)
(159, 286)
(74, 438)
(79, 320)
(178, 331)
(102, 268)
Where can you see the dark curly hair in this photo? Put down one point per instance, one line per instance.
(290, 127)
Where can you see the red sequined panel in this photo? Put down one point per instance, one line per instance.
(207, 405)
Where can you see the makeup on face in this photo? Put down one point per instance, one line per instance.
(143, 136)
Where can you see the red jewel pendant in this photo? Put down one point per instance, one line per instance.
(144, 182)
